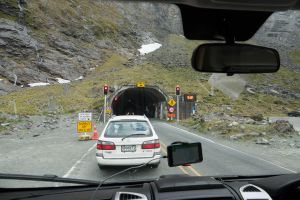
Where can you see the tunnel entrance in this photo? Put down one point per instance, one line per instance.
(138, 101)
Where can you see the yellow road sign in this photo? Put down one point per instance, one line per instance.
(108, 111)
(140, 84)
(84, 127)
(172, 102)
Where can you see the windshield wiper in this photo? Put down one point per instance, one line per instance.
(48, 178)
(136, 134)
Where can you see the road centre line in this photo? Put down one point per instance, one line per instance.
(195, 171)
(79, 161)
(180, 167)
(233, 149)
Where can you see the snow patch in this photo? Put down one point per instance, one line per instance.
(62, 81)
(79, 78)
(38, 84)
(148, 48)
(91, 69)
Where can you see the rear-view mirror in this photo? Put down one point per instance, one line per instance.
(235, 59)
(184, 153)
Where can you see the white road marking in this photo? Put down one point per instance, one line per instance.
(209, 140)
(79, 161)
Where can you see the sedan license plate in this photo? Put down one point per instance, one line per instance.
(128, 148)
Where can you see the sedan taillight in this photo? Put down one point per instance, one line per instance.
(151, 144)
(105, 145)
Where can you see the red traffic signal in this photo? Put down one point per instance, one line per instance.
(177, 90)
(105, 89)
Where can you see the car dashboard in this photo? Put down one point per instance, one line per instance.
(165, 187)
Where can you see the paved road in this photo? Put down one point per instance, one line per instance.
(62, 154)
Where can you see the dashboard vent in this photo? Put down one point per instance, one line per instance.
(253, 192)
(130, 196)
(250, 188)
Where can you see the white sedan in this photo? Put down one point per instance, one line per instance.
(128, 140)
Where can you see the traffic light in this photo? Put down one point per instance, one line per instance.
(105, 89)
(177, 90)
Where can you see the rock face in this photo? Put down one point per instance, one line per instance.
(153, 21)
(15, 39)
(39, 48)
(32, 61)
(279, 32)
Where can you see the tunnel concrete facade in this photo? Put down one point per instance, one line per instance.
(149, 101)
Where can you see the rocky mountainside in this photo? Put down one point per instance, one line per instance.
(281, 31)
(43, 40)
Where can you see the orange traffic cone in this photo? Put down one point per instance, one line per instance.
(95, 137)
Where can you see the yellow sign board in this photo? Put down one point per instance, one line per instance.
(108, 111)
(140, 84)
(84, 127)
(172, 102)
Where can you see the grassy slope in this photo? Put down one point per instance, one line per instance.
(87, 94)
(42, 15)
(296, 56)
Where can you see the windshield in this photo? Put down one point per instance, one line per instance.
(68, 69)
(124, 129)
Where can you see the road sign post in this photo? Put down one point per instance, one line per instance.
(104, 113)
(105, 91)
(177, 91)
(84, 125)
(177, 108)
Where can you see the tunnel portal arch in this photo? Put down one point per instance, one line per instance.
(147, 101)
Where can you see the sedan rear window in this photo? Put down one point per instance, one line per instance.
(125, 128)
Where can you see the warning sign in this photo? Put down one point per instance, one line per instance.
(172, 102)
(171, 115)
(85, 116)
(140, 84)
(84, 127)
(171, 109)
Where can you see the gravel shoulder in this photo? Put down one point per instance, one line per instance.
(41, 145)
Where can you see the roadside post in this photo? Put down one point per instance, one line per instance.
(84, 126)
(105, 91)
(171, 103)
(190, 104)
(177, 95)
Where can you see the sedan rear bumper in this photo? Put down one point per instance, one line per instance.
(127, 161)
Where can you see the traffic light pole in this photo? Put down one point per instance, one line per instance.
(104, 110)
(177, 108)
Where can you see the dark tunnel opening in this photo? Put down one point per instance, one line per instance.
(138, 101)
